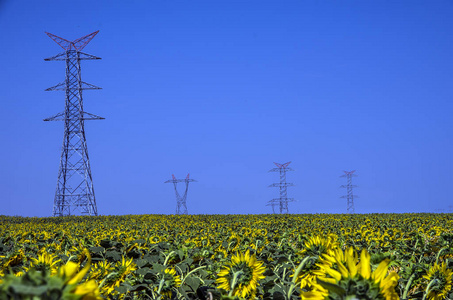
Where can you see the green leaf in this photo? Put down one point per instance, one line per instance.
(121, 289)
(113, 255)
(106, 243)
(193, 282)
(22, 289)
(142, 271)
(158, 268)
(278, 296)
(139, 287)
(180, 254)
(151, 259)
(96, 249)
(141, 263)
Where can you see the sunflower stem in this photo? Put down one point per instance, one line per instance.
(161, 285)
(167, 257)
(184, 279)
(234, 281)
(415, 247)
(438, 253)
(296, 274)
(428, 288)
(408, 285)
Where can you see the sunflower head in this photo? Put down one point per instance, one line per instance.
(439, 280)
(169, 281)
(349, 277)
(318, 246)
(318, 249)
(101, 270)
(118, 274)
(126, 266)
(14, 259)
(46, 262)
(241, 276)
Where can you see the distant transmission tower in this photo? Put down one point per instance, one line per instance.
(350, 196)
(74, 185)
(181, 207)
(281, 202)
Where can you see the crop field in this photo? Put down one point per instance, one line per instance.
(374, 256)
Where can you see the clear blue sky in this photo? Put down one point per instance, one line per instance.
(222, 89)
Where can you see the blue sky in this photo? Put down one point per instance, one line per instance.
(222, 89)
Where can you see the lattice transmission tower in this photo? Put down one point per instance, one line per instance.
(281, 202)
(350, 195)
(181, 206)
(75, 192)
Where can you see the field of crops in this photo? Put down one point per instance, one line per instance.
(374, 256)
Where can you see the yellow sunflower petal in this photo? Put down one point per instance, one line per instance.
(381, 270)
(79, 276)
(365, 268)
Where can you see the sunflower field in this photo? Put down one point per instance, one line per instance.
(322, 256)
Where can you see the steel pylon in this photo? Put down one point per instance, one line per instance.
(350, 195)
(75, 192)
(281, 202)
(181, 206)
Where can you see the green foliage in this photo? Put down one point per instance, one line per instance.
(36, 285)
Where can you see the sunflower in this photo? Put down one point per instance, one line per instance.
(317, 249)
(126, 267)
(439, 280)
(353, 278)
(14, 259)
(317, 246)
(118, 275)
(72, 277)
(44, 263)
(155, 239)
(233, 242)
(101, 270)
(241, 276)
(338, 255)
(169, 281)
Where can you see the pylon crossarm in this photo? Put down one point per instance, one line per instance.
(85, 56)
(282, 166)
(77, 44)
(64, 43)
(281, 184)
(64, 56)
(80, 43)
(279, 199)
(60, 56)
(57, 117)
(88, 116)
(59, 87)
(89, 86)
(279, 169)
(175, 180)
(85, 116)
